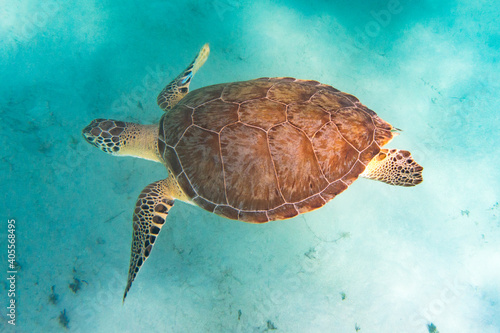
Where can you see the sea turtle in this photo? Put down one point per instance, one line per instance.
(255, 151)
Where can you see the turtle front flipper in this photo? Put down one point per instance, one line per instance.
(150, 213)
(179, 87)
(394, 167)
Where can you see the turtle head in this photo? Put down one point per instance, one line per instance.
(122, 138)
(105, 134)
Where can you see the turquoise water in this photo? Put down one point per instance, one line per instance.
(375, 259)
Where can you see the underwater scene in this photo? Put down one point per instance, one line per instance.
(413, 256)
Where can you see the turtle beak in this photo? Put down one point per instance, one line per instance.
(91, 131)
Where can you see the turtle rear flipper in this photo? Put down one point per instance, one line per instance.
(394, 167)
(179, 87)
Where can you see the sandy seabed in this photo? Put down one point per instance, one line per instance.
(375, 259)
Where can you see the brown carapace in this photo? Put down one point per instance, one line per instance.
(268, 149)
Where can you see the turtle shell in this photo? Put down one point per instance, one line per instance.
(270, 148)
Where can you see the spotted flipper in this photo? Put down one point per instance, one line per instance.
(179, 87)
(150, 213)
(395, 167)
